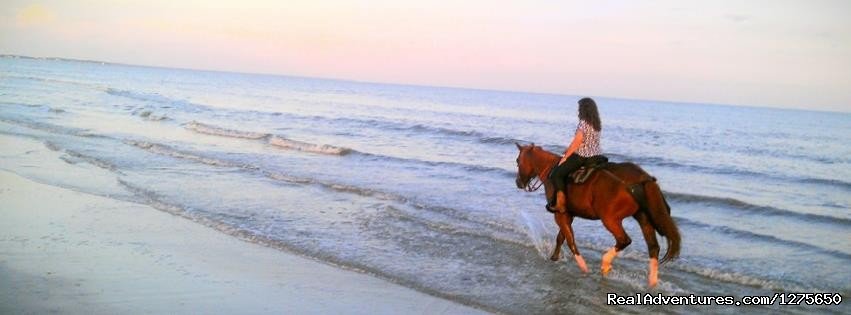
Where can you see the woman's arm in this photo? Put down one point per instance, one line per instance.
(577, 141)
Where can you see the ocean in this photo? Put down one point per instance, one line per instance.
(415, 184)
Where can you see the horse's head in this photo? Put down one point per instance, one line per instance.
(525, 167)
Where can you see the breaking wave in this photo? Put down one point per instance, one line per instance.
(285, 143)
(767, 210)
(274, 140)
(224, 132)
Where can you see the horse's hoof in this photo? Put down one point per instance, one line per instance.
(554, 257)
(605, 270)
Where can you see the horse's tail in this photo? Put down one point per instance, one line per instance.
(660, 217)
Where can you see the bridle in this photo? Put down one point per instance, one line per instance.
(533, 184)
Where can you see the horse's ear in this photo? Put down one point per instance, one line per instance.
(518, 146)
(533, 144)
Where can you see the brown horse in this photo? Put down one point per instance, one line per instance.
(611, 194)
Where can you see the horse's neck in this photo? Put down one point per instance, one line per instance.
(545, 163)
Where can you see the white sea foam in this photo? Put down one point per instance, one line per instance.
(282, 142)
(275, 140)
(224, 132)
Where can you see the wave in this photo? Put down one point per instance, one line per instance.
(81, 156)
(657, 161)
(21, 104)
(225, 132)
(740, 234)
(447, 131)
(421, 128)
(500, 140)
(274, 140)
(767, 210)
(738, 278)
(827, 182)
(467, 167)
(93, 160)
(282, 142)
(56, 129)
(382, 124)
(168, 151)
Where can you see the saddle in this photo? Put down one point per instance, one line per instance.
(591, 164)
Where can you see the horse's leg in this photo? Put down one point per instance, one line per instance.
(559, 241)
(615, 226)
(564, 222)
(652, 247)
(559, 217)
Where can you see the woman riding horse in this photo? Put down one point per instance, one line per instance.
(585, 144)
(611, 194)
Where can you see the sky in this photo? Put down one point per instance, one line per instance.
(777, 53)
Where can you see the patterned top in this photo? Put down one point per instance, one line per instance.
(590, 142)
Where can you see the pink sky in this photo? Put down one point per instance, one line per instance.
(794, 54)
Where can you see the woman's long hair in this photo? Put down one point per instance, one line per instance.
(588, 113)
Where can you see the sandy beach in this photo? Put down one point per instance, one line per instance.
(67, 252)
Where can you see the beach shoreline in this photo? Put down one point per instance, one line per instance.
(65, 251)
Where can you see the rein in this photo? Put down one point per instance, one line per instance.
(534, 184)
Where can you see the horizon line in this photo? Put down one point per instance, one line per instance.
(677, 102)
